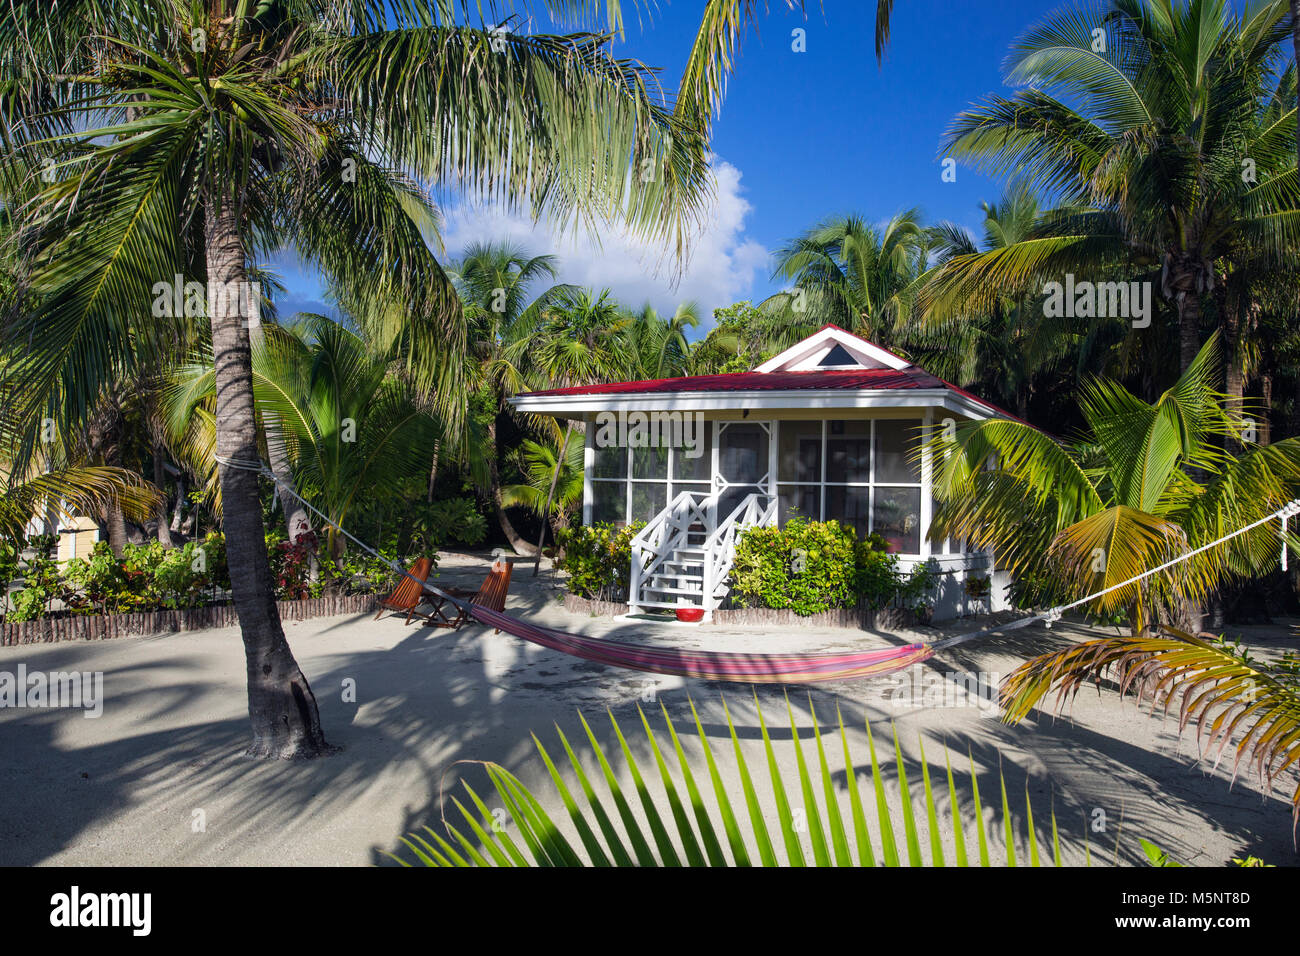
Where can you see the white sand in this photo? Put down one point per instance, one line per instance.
(127, 788)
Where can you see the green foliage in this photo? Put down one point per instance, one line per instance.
(811, 814)
(813, 566)
(915, 588)
(1157, 856)
(40, 586)
(452, 521)
(598, 559)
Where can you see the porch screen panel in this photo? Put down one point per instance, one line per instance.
(799, 452)
(896, 516)
(850, 506)
(648, 499)
(694, 464)
(895, 446)
(611, 462)
(609, 502)
(799, 501)
(651, 462)
(871, 483)
(848, 452)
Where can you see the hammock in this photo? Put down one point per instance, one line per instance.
(711, 665)
(752, 668)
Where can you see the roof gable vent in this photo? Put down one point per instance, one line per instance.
(839, 357)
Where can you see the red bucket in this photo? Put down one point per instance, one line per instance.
(690, 615)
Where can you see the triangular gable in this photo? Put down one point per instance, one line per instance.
(832, 347)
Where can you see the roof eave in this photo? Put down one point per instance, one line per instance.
(576, 406)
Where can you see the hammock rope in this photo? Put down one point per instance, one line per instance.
(750, 668)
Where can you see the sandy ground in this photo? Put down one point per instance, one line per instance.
(131, 786)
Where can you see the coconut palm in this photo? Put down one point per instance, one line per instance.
(1159, 143)
(539, 465)
(658, 344)
(1005, 349)
(497, 282)
(51, 484)
(188, 140)
(1230, 697)
(1147, 483)
(577, 339)
(352, 431)
(851, 273)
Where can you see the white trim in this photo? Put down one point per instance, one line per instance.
(588, 466)
(757, 399)
(927, 482)
(805, 355)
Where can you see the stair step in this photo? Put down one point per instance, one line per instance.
(678, 578)
(694, 592)
(670, 605)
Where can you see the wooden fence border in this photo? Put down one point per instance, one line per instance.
(101, 627)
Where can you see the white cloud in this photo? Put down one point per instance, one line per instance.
(721, 269)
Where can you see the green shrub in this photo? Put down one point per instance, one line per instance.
(812, 566)
(455, 521)
(40, 585)
(598, 559)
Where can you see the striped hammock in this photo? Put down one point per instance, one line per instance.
(711, 665)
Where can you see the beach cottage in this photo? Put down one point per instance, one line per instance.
(829, 429)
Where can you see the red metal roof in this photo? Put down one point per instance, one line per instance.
(865, 379)
(855, 378)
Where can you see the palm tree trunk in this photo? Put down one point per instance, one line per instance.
(433, 470)
(1266, 398)
(296, 519)
(550, 495)
(1189, 327)
(116, 523)
(281, 707)
(1234, 386)
(179, 513)
(494, 492)
(160, 480)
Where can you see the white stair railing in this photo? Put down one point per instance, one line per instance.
(756, 510)
(667, 531)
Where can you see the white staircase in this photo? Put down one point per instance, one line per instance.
(683, 556)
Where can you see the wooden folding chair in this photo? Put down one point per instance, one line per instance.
(408, 594)
(492, 594)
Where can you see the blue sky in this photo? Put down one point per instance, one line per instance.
(802, 136)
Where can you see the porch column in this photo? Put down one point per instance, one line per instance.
(588, 466)
(927, 484)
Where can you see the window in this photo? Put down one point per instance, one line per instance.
(635, 484)
(863, 473)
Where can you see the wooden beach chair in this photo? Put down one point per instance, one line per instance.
(408, 594)
(492, 594)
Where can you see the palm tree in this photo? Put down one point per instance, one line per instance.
(189, 139)
(539, 464)
(1147, 483)
(578, 340)
(851, 273)
(1004, 349)
(1170, 160)
(659, 345)
(496, 282)
(351, 430)
(1229, 697)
